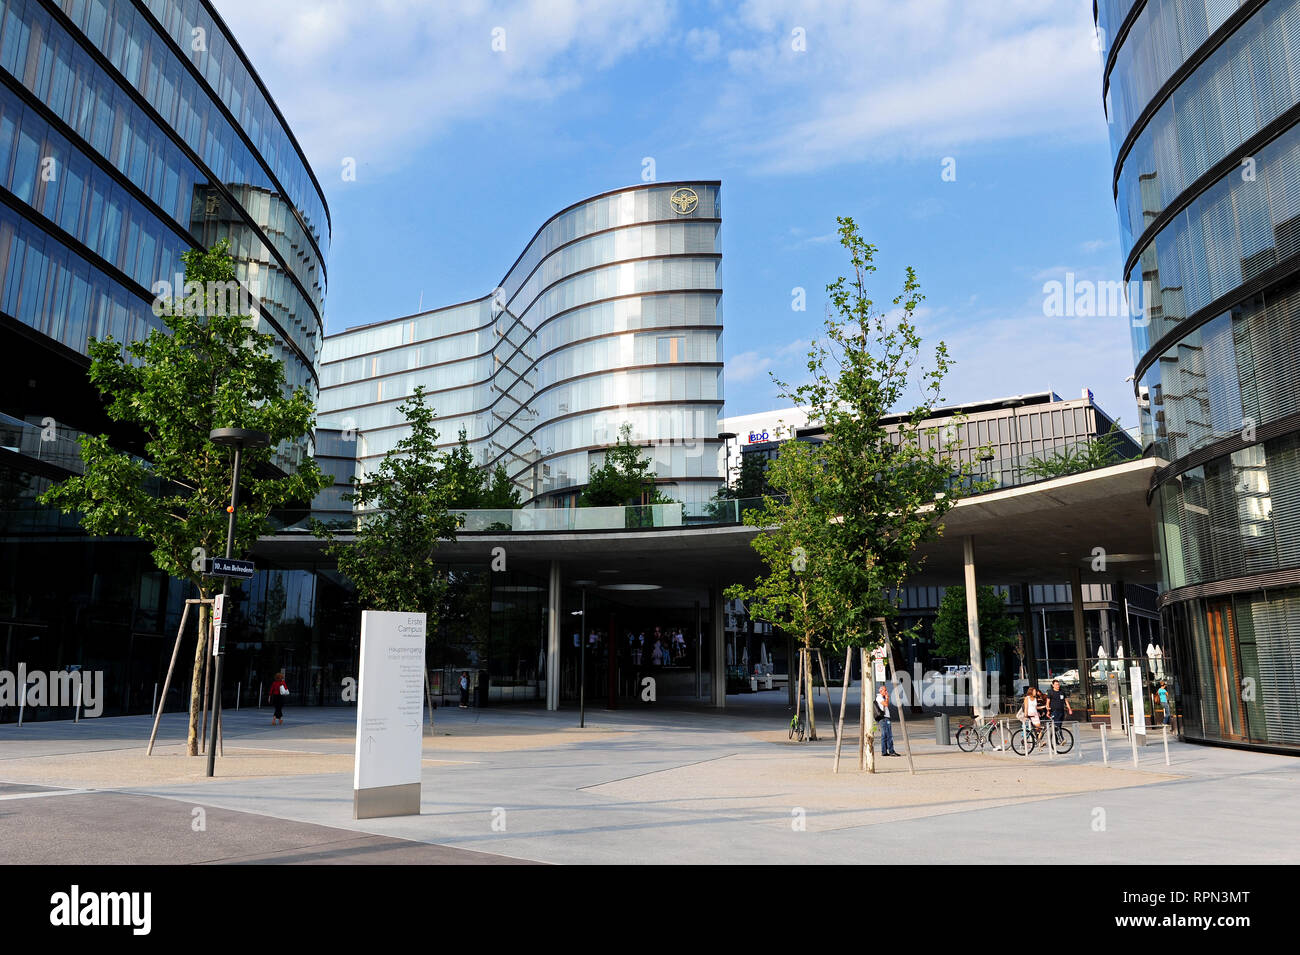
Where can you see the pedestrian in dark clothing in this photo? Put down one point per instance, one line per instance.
(464, 690)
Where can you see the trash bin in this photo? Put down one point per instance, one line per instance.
(942, 734)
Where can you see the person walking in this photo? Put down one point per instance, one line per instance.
(279, 691)
(886, 728)
(1058, 704)
(464, 689)
(1163, 694)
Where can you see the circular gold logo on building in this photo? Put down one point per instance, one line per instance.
(684, 200)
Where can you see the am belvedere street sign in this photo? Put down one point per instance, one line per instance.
(228, 567)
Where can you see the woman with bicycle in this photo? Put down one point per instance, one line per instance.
(1028, 712)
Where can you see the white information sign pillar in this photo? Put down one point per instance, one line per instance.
(390, 715)
(1138, 715)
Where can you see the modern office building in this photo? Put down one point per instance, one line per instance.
(611, 315)
(124, 141)
(1203, 101)
(1003, 438)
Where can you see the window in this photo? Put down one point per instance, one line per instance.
(672, 350)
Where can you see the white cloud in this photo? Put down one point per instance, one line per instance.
(881, 79)
(376, 80)
(878, 80)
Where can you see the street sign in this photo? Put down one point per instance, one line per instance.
(228, 567)
(218, 625)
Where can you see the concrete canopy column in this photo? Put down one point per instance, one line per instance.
(553, 638)
(973, 627)
(719, 667)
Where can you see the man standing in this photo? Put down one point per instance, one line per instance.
(882, 717)
(1058, 704)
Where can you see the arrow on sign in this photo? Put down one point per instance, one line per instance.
(370, 744)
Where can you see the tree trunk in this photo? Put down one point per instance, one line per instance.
(862, 712)
(812, 722)
(196, 681)
(869, 694)
(844, 696)
(798, 698)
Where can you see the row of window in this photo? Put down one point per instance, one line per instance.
(1240, 369)
(362, 341)
(1110, 17)
(1233, 516)
(58, 70)
(1163, 36)
(632, 207)
(1247, 82)
(232, 82)
(53, 65)
(664, 238)
(1236, 229)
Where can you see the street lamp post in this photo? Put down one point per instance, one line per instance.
(582, 656)
(238, 439)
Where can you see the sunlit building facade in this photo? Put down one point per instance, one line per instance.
(130, 132)
(1203, 100)
(611, 315)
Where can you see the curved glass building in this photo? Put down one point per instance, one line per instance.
(130, 132)
(611, 315)
(1203, 99)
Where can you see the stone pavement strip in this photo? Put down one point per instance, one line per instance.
(635, 786)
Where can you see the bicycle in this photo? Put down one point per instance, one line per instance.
(1064, 738)
(972, 736)
(797, 728)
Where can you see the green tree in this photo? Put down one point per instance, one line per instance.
(997, 627)
(210, 369)
(887, 483)
(1098, 451)
(463, 478)
(624, 477)
(501, 493)
(794, 595)
(403, 514)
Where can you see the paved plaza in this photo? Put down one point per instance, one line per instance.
(637, 785)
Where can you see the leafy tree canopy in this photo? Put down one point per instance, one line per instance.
(997, 627)
(210, 369)
(626, 476)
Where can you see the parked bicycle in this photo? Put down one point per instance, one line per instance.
(1037, 736)
(973, 736)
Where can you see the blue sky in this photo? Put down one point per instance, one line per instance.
(805, 111)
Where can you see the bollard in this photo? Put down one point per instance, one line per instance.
(22, 701)
(1051, 738)
(1105, 760)
(259, 694)
(238, 687)
(1024, 737)
(1133, 741)
(1166, 732)
(153, 710)
(76, 707)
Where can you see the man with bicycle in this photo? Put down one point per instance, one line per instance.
(1058, 704)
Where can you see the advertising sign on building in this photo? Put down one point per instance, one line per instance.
(390, 715)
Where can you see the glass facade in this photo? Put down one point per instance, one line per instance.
(1212, 238)
(118, 156)
(611, 316)
(127, 138)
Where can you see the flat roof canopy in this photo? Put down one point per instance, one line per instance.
(1037, 532)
